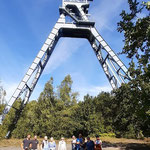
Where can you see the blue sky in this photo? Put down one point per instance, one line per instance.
(25, 25)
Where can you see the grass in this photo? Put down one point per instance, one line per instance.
(10, 142)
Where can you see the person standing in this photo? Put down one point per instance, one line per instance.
(45, 144)
(73, 143)
(84, 144)
(62, 144)
(79, 142)
(98, 143)
(52, 144)
(26, 144)
(89, 144)
(35, 143)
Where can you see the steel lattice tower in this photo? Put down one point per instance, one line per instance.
(79, 27)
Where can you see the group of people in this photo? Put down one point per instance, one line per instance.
(79, 143)
(29, 144)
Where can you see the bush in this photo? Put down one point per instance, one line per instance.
(110, 134)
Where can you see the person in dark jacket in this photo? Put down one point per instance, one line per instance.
(35, 143)
(26, 144)
(89, 144)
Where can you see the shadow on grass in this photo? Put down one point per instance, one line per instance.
(128, 146)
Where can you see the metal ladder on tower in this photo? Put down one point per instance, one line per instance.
(81, 27)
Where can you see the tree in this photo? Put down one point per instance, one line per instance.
(65, 109)
(137, 33)
(92, 120)
(95, 115)
(45, 111)
(27, 121)
(65, 93)
(137, 47)
(104, 105)
(126, 122)
(53, 114)
(9, 123)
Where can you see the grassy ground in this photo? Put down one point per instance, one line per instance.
(126, 144)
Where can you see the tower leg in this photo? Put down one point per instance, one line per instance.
(34, 72)
(113, 67)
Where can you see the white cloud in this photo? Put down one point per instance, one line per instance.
(61, 53)
(83, 87)
(78, 86)
(10, 89)
(91, 90)
(104, 13)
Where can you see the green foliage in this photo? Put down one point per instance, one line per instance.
(27, 121)
(136, 93)
(59, 114)
(107, 134)
(2, 106)
(9, 119)
(105, 114)
(147, 4)
(136, 33)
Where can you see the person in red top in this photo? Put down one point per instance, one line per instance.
(98, 143)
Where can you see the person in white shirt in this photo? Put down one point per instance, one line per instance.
(52, 144)
(98, 143)
(62, 144)
(45, 144)
(73, 142)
